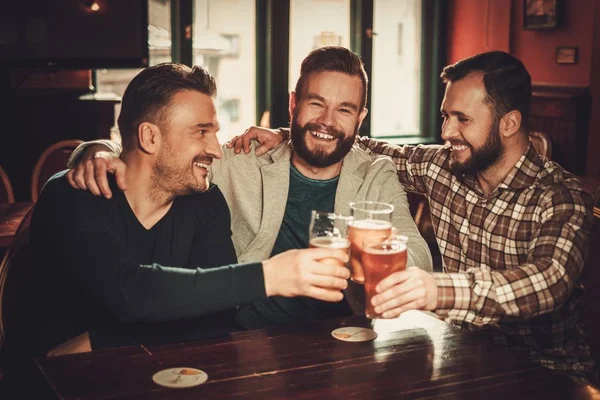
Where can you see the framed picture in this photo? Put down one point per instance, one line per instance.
(566, 55)
(541, 14)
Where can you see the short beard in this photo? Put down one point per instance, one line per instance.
(482, 158)
(169, 179)
(320, 159)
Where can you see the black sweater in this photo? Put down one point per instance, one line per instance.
(102, 271)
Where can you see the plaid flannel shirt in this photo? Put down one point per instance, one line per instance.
(512, 259)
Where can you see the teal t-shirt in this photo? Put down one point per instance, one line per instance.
(304, 195)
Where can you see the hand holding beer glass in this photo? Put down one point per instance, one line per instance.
(330, 231)
(382, 256)
(370, 218)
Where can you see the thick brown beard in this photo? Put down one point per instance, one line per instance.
(320, 159)
(484, 157)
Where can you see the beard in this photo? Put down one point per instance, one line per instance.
(319, 158)
(481, 158)
(175, 177)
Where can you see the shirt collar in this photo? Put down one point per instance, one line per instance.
(523, 175)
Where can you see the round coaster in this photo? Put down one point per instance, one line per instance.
(180, 377)
(354, 334)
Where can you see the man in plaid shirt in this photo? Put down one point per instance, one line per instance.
(512, 227)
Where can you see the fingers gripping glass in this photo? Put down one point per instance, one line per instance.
(382, 256)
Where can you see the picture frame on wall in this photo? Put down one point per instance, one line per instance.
(566, 55)
(542, 14)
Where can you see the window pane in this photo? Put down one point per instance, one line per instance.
(314, 24)
(224, 43)
(159, 43)
(396, 70)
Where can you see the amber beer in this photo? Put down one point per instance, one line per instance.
(358, 232)
(328, 242)
(379, 261)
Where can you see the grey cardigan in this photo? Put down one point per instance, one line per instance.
(256, 190)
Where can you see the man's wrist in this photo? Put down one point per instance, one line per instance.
(80, 150)
(267, 278)
(284, 132)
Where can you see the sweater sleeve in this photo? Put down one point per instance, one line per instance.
(73, 228)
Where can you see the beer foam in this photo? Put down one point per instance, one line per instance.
(388, 249)
(330, 242)
(371, 224)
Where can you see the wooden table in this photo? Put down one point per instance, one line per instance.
(11, 216)
(415, 357)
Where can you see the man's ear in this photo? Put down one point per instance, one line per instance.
(510, 124)
(362, 116)
(292, 105)
(149, 137)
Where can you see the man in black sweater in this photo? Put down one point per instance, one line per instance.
(155, 263)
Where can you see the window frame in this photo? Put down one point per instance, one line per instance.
(272, 58)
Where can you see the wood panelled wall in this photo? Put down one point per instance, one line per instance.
(563, 113)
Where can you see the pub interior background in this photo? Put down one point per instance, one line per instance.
(254, 48)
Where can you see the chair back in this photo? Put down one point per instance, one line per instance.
(15, 274)
(590, 279)
(7, 195)
(542, 143)
(53, 159)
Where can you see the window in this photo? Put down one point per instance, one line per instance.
(114, 81)
(400, 43)
(257, 64)
(224, 43)
(314, 24)
(396, 68)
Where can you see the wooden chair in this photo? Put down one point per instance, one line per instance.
(419, 209)
(13, 268)
(7, 196)
(542, 143)
(590, 279)
(53, 159)
(20, 335)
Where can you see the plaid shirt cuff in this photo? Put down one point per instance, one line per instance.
(454, 292)
(110, 145)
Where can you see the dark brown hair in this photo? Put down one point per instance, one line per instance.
(334, 59)
(506, 81)
(148, 95)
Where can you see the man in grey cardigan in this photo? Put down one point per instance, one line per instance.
(271, 195)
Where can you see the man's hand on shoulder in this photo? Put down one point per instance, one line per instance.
(91, 171)
(267, 138)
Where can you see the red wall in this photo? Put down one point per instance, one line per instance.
(537, 49)
(476, 26)
(469, 33)
(593, 161)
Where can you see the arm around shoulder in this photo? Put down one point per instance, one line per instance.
(110, 146)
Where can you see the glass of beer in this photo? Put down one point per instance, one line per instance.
(369, 218)
(382, 256)
(329, 230)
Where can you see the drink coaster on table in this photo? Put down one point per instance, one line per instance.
(354, 334)
(180, 377)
